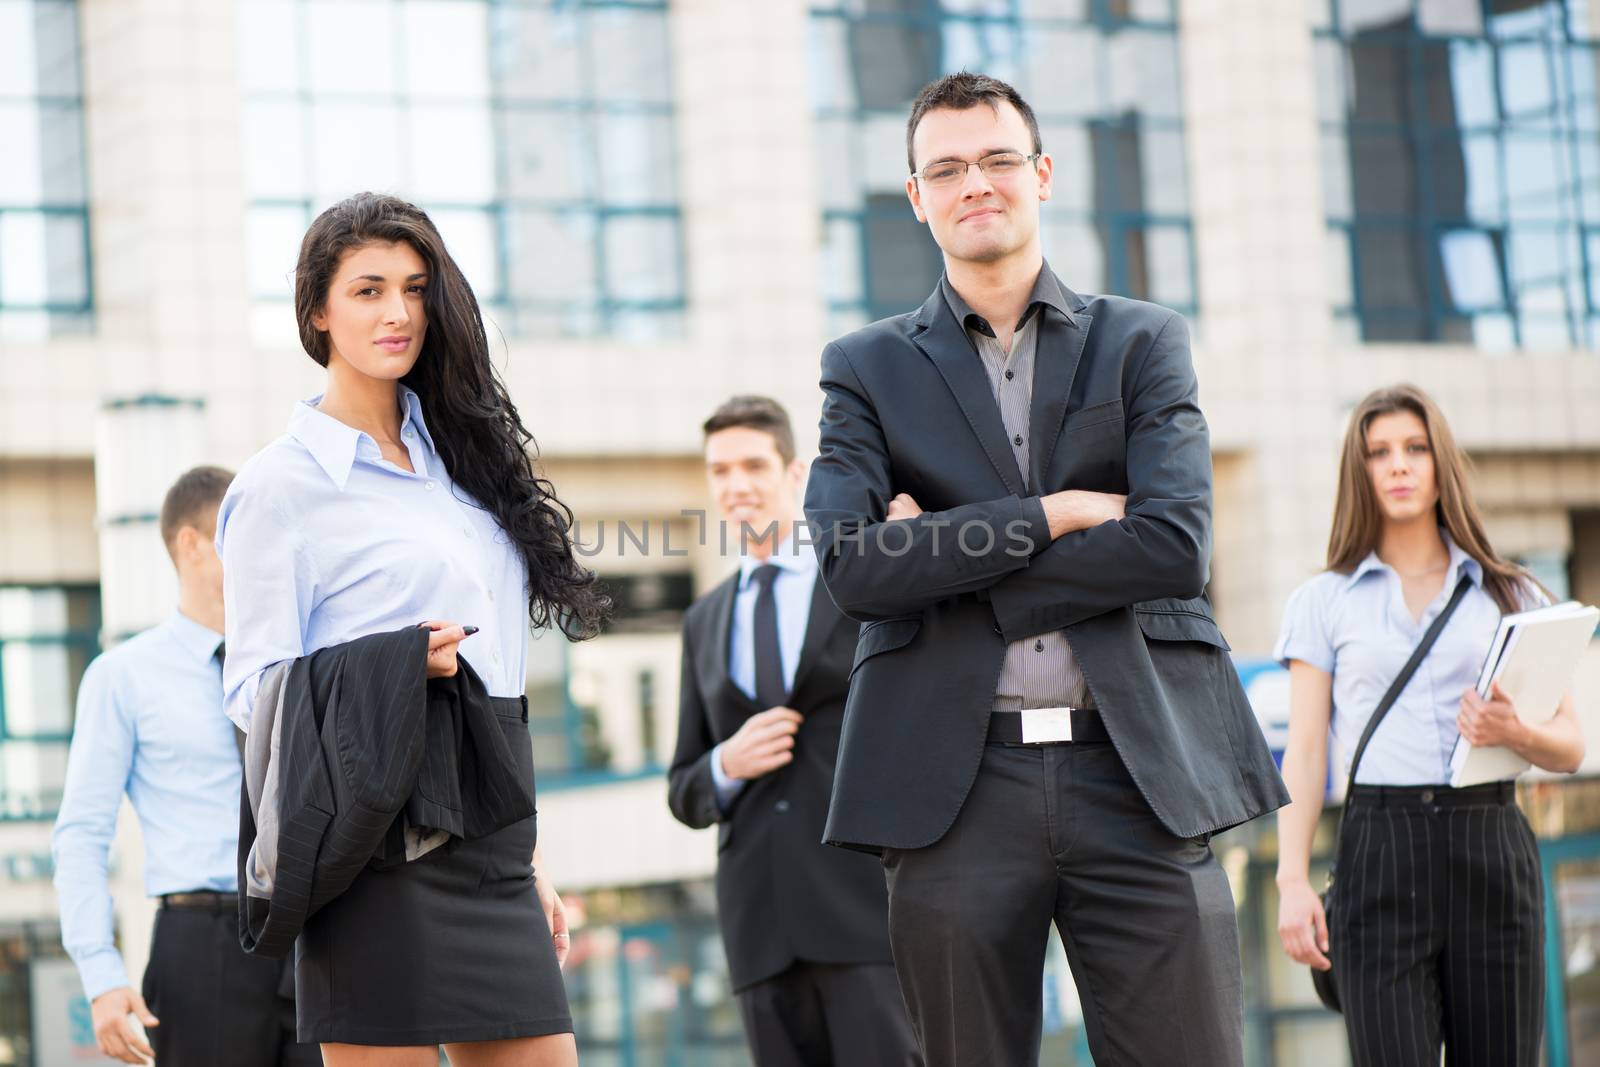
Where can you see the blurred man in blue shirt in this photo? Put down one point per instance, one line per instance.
(150, 724)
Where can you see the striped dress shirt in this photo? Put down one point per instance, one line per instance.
(1039, 672)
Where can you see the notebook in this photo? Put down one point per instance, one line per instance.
(1534, 656)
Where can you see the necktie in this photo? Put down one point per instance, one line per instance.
(221, 656)
(771, 692)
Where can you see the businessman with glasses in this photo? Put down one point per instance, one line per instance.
(1014, 496)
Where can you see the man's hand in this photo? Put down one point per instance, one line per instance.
(763, 744)
(903, 507)
(1079, 509)
(1491, 722)
(115, 1037)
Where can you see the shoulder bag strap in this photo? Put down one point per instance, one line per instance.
(1404, 677)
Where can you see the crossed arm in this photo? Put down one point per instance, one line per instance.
(1053, 560)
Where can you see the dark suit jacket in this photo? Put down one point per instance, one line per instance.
(908, 408)
(782, 895)
(364, 734)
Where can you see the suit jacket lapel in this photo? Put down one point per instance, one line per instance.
(722, 638)
(824, 619)
(1055, 364)
(943, 341)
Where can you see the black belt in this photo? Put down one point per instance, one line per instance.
(204, 899)
(1433, 796)
(1005, 728)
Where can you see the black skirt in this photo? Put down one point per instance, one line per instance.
(449, 947)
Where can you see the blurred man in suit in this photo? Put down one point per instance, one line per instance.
(766, 664)
(150, 724)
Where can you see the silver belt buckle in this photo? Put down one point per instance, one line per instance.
(1044, 726)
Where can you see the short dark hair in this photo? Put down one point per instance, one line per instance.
(193, 500)
(756, 413)
(959, 92)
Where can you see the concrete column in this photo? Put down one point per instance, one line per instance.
(1250, 102)
(162, 114)
(748, 177)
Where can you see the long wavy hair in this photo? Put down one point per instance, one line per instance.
(1358, 517)
(475, 426)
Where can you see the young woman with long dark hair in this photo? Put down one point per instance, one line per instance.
(1436, 929)
(406, 492)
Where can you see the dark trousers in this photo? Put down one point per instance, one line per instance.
(1060, 833)
(828, 1015)
(218, 1005)
(1437, 928)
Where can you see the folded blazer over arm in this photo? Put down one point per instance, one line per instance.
(908, 409)
(357, 746)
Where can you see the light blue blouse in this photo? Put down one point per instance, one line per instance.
(324, 541)
(1356, 627)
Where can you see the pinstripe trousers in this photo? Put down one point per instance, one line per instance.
(1437, 928)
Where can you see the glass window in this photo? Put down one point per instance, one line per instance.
(547, 156)
(44, 214)
(1460, 168)
(274, 232)
(1445, 17)
(538, 278)
(272, 61)
(446, 49)
(641, 253)
(902, 262)
(44, 262)
(1473, 270)
(47, 637)
(473, 239)
(451, 153)
(596, 710)
(648, 978)
(1577, 896)
(274, 149)
(519, 125)
(637, 159)
(1104, 79)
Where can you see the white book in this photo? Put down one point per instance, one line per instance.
(1534, 657)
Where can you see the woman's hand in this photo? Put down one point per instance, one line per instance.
(1303, 925)
(442, 644)
(555, 914)
(1491, 722)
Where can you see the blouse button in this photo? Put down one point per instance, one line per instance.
(406, 432)
(428, 485)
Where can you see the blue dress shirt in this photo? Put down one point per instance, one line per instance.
(1356, 628)
(324, 541)
(797, 577)
(150, 724)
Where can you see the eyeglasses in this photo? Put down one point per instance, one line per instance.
(948, 172)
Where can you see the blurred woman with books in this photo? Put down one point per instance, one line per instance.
(1434, 927)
